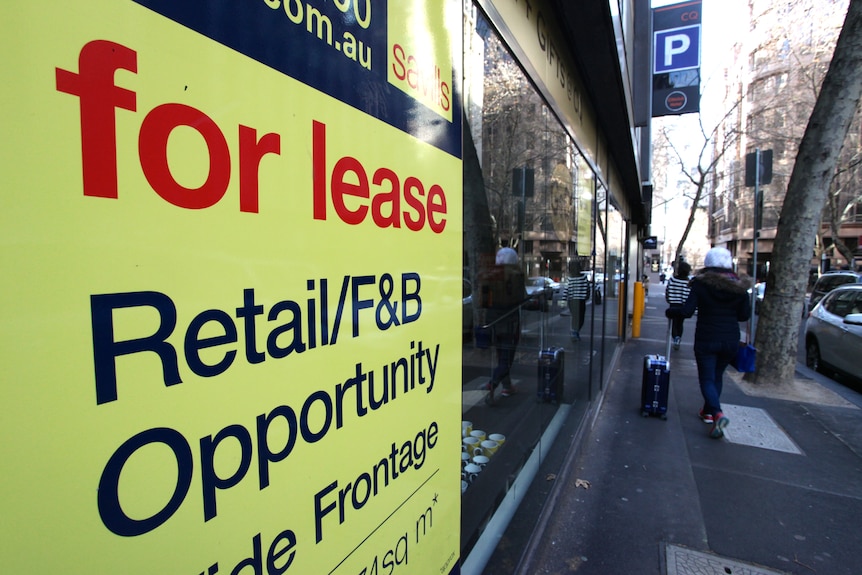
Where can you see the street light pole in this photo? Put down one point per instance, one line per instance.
(756, 228)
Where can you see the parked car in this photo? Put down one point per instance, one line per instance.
(558, 288)
(541, 291)
(833, 332)
(828, 282)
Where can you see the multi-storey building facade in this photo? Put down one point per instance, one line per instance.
(772, 79)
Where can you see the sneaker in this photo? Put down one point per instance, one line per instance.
(676, 343)
(706, 417)
(721, 422)
(508, 391)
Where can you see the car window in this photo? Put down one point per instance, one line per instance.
(841, 303)
(829, 283)
(839, 280)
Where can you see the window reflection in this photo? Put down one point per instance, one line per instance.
(526, 187)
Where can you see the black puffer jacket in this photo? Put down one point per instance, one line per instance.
(722, 300)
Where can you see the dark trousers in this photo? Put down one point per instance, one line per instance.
(712, 359)
(676, 321)
(578, 309)
(505, 359)
(506, 338)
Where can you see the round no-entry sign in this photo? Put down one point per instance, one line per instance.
(675, 101)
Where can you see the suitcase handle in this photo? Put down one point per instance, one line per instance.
(668, 341)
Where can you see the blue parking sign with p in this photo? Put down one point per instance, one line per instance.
(677, 49)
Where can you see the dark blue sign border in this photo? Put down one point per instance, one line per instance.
(268, 36)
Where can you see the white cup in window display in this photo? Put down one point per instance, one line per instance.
(489, 447)
(478, 434)
(481, 460)
(472, 470)
(464, 485)
(469, 444)
(498, 437)
(466, 428)
(465, 457)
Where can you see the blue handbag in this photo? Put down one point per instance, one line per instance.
(746, 356)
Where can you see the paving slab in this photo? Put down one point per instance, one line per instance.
(753, 426)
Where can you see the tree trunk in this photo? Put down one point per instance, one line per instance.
(807, 191)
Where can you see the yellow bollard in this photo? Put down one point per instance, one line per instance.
(638, 309)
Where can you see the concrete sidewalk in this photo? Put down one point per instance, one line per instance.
(780, 493)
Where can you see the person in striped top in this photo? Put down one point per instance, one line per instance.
(577, 293)
(675, 294)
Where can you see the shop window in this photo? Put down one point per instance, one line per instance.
(514, 131)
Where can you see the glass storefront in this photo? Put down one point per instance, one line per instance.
(615, 312)
(602, 290)
(527, 187)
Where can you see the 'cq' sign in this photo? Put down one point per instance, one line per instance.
(676, 58)
(677, 49)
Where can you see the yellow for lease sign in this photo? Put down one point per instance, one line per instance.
(232, 288)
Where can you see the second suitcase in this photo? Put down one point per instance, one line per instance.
(551, 375)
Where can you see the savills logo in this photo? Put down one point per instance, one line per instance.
(420, 60)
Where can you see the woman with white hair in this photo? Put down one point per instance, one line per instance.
(504, 290)
(721, 300)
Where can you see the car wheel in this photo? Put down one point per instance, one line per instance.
(812, 355)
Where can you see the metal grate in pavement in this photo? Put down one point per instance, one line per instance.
(682, 561)
(753, 426)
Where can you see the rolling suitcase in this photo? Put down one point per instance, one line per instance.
(551, 375)
(656, 382)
